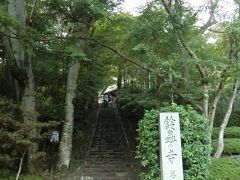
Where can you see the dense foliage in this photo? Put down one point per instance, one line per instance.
(14, 137)
(13, 134)
(230, 132)
(195, 143)
(9, 176)
(231, 146)
(50, 41)
(231, 140)
(136, 103)
(224, 168)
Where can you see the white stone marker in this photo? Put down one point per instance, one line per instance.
(170, 146)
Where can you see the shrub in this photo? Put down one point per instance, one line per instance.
(195, 143)
(14, 136)
(231, 146)
(7, 175)
(224, 168)
(29, 177)
(230, 132)
(234, 119)
(148, 147)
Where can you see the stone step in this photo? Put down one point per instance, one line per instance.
(109, 151)
(106, 158)
(102, 160)
(106, 174)
(107, 155)
(107, 145)
(114, 168)
(113, 145)
(103, 178)
(105, 169)
(99, 163)
(104, 163)
(106, 149)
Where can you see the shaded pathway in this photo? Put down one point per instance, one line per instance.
(108, 156)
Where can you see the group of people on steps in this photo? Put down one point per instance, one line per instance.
(107, 99)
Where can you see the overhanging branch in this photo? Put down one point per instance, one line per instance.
(211, 19)
(116, 52)
(188, 100)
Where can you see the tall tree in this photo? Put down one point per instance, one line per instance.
(233, 37)
(21, 69)
(65, 148)
(82, 15)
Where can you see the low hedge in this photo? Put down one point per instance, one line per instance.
(230, 132)
(231, 146)
(4, 175)
(195, 143)
(224, 168)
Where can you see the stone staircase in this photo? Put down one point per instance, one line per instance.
(108, 158)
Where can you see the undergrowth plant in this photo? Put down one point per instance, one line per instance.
(195, 143)
(15, 140)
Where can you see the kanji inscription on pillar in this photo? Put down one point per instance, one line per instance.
(170, 146)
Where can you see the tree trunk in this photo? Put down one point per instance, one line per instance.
(220, 146)
(16, 9)
(29, 113)
(65, 148)
(21, 61)
(182, 42)
(205, 99)
(203, 74)
(213, 108)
